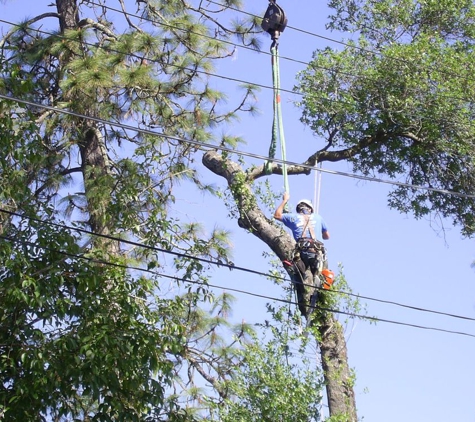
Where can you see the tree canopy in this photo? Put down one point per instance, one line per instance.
(97, 321)
(89, 328)
(399, 101)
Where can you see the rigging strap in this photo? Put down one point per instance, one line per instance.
(277, 125)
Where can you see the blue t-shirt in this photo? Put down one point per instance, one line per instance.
(296, 223)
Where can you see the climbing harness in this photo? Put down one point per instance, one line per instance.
(309, 253)
(314, 247)
(274, 22)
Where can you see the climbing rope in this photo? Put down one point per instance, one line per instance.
(317, 188)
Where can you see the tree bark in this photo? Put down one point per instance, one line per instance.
(68, 14)
(337, 374)
(339, 378)
(95, 162)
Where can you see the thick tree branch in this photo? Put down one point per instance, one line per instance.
(275, 168)
(314, 159)
(338, 377)
(345, 154)
(251, 216)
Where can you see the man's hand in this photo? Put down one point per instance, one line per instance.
(280, 209)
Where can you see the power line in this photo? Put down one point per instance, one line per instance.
(222, 264)
(209, 147)
(284, 161)
(203, 72)
(374, 52)
(254, 156)
(230, 150)
(232, 79)
(285, 301)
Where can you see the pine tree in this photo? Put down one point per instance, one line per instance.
(88, 328)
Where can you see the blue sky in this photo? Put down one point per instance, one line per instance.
(403, 373)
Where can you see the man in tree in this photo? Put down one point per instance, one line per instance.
(309, 230)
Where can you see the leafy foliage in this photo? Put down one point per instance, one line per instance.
(77, 335)
(399, 101)
(83, 335)
(266, 387)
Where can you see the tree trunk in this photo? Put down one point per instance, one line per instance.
(95, 161)
(337, 374)
(68, 14)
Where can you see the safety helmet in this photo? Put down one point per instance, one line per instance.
(304, 202)
(329, 276)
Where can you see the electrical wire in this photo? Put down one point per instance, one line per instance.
(294, 303)
(196, 143)
(285, 162)
(210, 147)
(375, 52)
(229, 150)
(255, 156)
(284, 301)
(231, 79)
(372, 52)
(222, 264)
(242, 153)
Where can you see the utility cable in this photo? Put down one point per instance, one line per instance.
(221, 264)
(231, 79)
(374, 52)
(284, 161)
(233, 151)
(210, 147)
(284, 301)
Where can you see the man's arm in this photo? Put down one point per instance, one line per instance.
(325, 233)
(280, 209)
